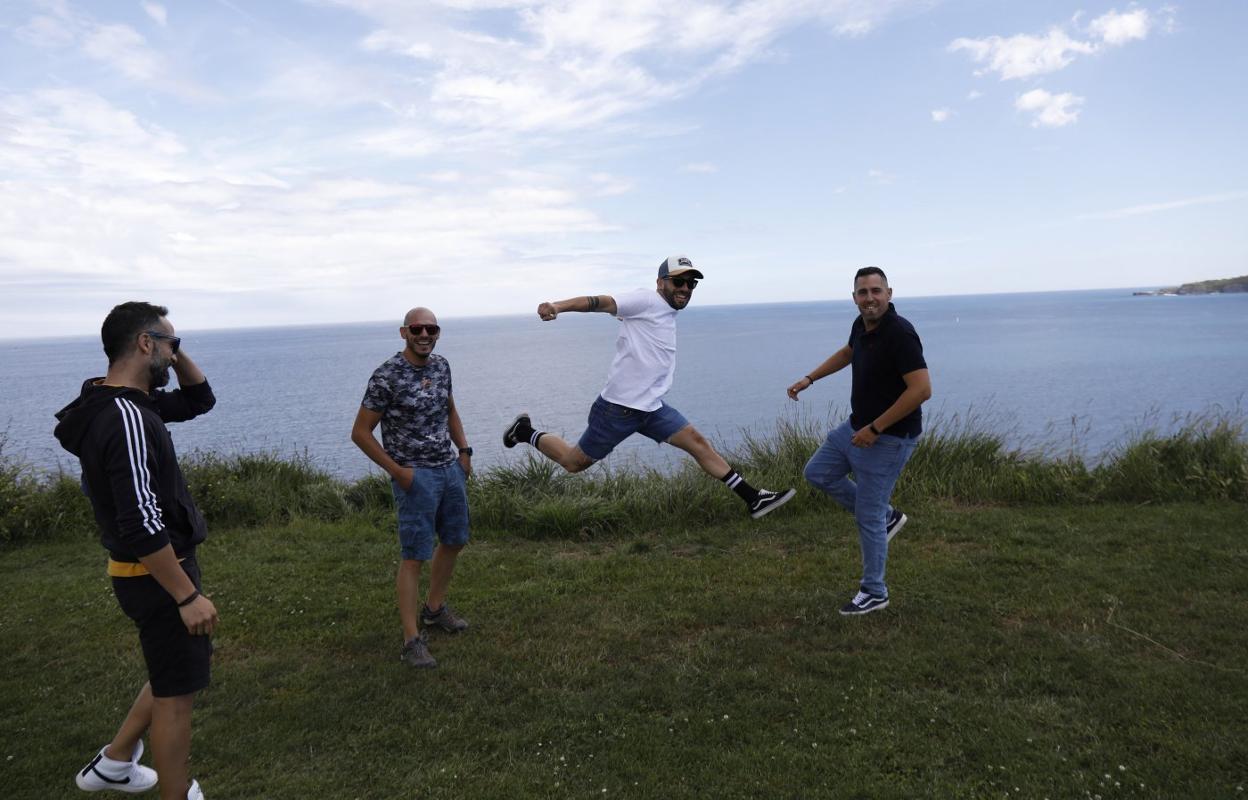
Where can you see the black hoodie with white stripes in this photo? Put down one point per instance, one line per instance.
(130, 471)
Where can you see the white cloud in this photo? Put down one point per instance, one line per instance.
(974, 94)
(1117, 29)
(1026, 56)
(608, 185)
(117, 46)
(880, 177)
(123, 48)
(99, 196)
(700, 167)
(1153, 208)
(941, 114)
(1050, 110)
(1023, 56)
(566, 66)
(157, 12)
(45, 31)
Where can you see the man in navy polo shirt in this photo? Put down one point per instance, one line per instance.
(890, 384)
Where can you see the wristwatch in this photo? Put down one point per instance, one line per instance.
(871, 427)
(465, 451)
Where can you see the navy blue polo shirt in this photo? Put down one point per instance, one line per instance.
(881, 357)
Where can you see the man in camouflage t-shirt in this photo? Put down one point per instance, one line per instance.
(410, 396)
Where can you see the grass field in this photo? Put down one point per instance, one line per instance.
(1051, 650)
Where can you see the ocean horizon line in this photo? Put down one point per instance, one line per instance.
(18, 340)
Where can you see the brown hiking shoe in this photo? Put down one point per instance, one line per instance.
(444, 619)
(416, 653)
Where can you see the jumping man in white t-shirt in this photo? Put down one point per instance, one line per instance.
(632, 400)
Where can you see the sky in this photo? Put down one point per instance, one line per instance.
(321, 161)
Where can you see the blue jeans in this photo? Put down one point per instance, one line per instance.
(610, 424)
(877, 469)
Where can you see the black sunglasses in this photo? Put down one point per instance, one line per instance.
(174, 341)
(432, 330)
(681, 283)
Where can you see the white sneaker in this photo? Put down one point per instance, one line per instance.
(194, 792)
(133, 776)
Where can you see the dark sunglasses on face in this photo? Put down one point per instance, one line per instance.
(174, 341)
(681, 283)
(432, 330)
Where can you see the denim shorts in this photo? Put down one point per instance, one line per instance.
(436, 504)
(610, 424)
(177, 662)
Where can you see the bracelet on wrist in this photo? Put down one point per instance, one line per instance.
(873, 429)
(812, 380)
(189, 599)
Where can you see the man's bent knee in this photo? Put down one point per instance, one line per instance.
(576, 461)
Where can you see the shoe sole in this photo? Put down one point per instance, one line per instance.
(510, 441)
(129, 788)
(897, 528)
(859, 613)
(784, 498)
(430, 665)
(433, 626)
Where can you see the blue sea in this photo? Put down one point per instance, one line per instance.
(1060, 372)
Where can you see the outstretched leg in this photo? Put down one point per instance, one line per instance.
(759, 501)
(568, 456)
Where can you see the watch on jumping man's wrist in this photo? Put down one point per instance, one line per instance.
(465, 451)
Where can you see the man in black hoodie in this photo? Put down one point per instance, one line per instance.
(150, 526)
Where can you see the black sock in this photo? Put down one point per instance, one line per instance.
(525, 432)
(739, 485)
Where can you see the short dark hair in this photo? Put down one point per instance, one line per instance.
(865, 271)
(124, 323)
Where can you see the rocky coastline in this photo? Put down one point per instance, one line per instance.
(1222, 286)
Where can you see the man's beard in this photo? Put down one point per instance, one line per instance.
(158, 372)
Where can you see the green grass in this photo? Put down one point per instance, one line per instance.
(960, 459)
(1058, 629)
(1055, 651)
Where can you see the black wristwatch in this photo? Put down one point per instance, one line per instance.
(465, 451)
(871, 428)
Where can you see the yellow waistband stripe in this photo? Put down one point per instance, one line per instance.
(127, 569)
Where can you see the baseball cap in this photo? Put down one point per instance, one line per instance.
(678, 265)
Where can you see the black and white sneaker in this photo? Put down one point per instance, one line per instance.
(863, 603)
(121, 776)
(515, 431)
(768, 502)
(896, 522)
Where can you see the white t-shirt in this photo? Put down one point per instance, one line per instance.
(645, 352)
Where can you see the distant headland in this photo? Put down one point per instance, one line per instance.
(1223, 286)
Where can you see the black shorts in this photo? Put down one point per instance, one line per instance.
(177, 662)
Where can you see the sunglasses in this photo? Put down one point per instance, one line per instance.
(174, 341)
(681, 283)
(432, 330)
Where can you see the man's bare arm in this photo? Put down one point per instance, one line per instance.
(200, 615)
(594, 302)
(366, 421)
(833, 363)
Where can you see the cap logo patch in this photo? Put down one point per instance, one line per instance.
(684, 262)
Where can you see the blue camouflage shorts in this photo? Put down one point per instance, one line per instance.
(435, 505)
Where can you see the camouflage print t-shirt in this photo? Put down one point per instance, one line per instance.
(413, 403)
